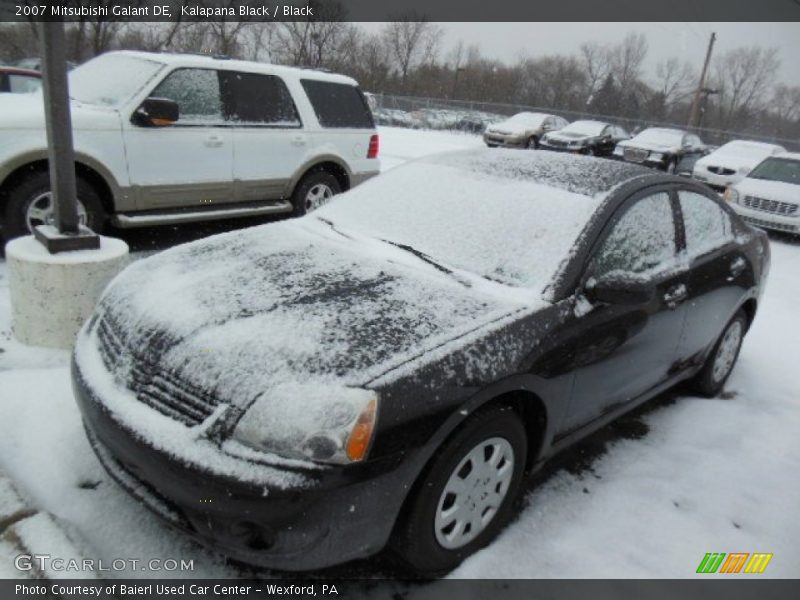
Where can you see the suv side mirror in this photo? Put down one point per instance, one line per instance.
(620, 288)
(156, 112)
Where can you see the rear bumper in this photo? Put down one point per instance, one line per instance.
(767, 220)
(339, 514)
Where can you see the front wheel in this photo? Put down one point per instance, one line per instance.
(533, 143)
(719, 365)
(466, 495)
(30, 203)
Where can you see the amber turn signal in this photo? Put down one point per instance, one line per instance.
(361, 435)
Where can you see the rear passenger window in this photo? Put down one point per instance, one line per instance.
(196, 91)
(252, 99)
(707, 225)
(338, 104)
(642, 241)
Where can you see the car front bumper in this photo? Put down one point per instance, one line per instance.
(506, 141)
(766, 220)
(340, 513)
(716, 182)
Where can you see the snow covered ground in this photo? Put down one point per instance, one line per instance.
(647, 497)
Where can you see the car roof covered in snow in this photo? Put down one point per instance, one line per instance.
(202, 61)
(573, 173)
(787, 155)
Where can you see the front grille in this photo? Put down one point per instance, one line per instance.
(635, 154)
(721, 170)
(770, 206)
(770, 225)
(157, 387)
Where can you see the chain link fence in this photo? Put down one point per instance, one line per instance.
(473, 117)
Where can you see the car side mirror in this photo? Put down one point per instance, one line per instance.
(156, 112)
(626, 289)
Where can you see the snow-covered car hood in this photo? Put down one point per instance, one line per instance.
(286, 304)
(26, 111)
(653, 147)
(570, 136)
(510, 128)
(730, 161)
(771, 190)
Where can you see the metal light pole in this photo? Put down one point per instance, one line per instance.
(68, 233)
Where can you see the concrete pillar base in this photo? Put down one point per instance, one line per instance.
(53, 294)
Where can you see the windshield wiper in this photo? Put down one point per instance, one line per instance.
(427, 259)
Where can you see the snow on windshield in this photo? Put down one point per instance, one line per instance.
(664, 137)
(529, 119)
(111, 79)
(495, 221)
(584, 128)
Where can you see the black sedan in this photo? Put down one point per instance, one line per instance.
(585, 137)
(386, 370)
(662, 148)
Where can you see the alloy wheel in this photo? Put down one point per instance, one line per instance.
(727, 351)
(317, 196)
(41, 211)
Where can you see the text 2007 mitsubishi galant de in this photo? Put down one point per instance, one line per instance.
(385, 371)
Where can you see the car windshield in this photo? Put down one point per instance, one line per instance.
(585, 128)
(111, 79)
(785, 170)
(527, 119)
(493, 221)
(665, 137)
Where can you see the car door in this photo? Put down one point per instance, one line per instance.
(190, 162)
(624, 350)
(606, 143)
(269, 143)
(719, 272)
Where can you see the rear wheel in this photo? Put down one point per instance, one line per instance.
(719, 365)
(533, 143)
(314, 191)
(466, 495)
(30, 203)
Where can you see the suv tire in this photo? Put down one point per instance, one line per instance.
(313, 191)
(35, 188)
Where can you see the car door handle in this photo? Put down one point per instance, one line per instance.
(675, 295)
(299, 140)
(737, 266)
(214, 141)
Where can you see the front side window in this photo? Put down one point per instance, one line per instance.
(338, 104)
(253, 99)
(23, 84)
(196, 91)
(642, 241)
(707, 225)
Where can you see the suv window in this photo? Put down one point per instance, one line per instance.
(642, 240)
(250, 98)
(338, 104)
(197, 93)
(707, 225)
(21, 84)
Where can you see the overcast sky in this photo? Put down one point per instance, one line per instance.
(507, 41)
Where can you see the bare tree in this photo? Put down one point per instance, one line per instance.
(596, 62)
(313, 40)
(627, 59)
(744, 77)
(675, 81)
(411, 41)
(785, 103)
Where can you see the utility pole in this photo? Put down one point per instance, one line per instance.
(695, 110)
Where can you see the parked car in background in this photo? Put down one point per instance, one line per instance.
(155, 135)
(388, 369)
(585, 137)
(769, 196)
(660, 148)
(523, 130)
(19, 81)
(731, 162)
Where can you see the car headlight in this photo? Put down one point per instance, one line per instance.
(657, 156)
(619, 151)
(321, 423)
(731, 195)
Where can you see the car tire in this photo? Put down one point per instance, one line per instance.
(314, 190)
(719, 364)
(421, 536)
(533, 143)
(29, 205)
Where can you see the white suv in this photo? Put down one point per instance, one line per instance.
(172, 138)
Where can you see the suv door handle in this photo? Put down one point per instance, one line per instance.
(299, 140)
(675, 295)
(737, 266)
(213, 141)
